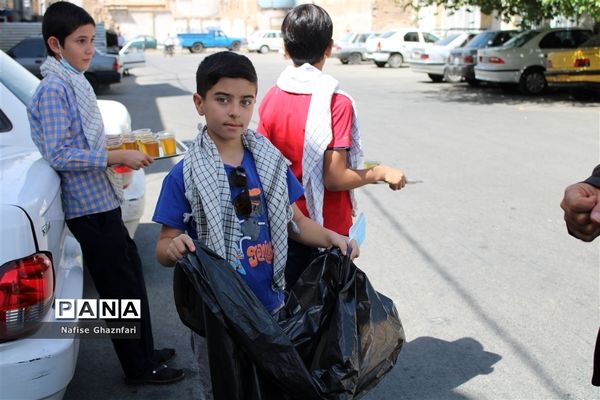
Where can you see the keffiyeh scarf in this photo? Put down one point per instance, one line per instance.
(307, 79)
(91, 119)
(207, 190)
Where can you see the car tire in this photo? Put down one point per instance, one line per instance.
(264, 49)
(453, 76)
(436, 78)
(235, 46)
(380, 64)
(344, 61)
(396, 60)
(355, 58)
(532, 82)
(197, 48)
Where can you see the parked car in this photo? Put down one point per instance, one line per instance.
(104, 70)
(351, 48)
(197, 42)
(462, 60)
(265, 41)
(39, 259)
(132, 55)
(522, 60)
(579, 67)
(394, 47)
(149, 41)
(432, 60)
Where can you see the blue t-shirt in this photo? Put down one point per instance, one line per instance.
(255, 258)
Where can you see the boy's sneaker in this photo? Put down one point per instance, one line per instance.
(162, 356)
(159, 374)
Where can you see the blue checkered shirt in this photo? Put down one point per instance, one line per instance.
(57, 131)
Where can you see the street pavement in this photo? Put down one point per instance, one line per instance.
(497, 300)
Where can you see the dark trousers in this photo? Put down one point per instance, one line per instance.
(116, 269)
(298, 259)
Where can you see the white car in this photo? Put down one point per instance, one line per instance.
(394, 47)
(39, 259)
(432, 60)
(265, 41)
(522, 59)
(132, 55)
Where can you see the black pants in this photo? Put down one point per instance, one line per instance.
(115, 266)
(298, 259)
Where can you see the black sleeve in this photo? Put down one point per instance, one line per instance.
(594, 180)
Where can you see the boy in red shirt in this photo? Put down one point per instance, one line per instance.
(315, 126)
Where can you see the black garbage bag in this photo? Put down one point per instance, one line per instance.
(335, 338)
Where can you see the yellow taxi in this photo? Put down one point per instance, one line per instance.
(578, 67)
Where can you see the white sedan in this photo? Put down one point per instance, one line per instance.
(39, 259)
(522, 59)
(432, 60)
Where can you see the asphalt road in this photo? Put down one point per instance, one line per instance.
(497, 301)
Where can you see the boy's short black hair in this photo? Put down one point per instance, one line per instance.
(307, 31)
(61, 19)
(225, 64)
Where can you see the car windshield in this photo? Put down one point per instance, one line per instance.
(480, 41)
(347, 37)
(520, 39)
(594, 41)
(446, 40)
(17, 79)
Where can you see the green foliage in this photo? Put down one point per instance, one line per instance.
(531, 11)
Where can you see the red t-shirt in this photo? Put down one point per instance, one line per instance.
(283, 119)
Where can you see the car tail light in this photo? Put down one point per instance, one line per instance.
(424, 57)
(480, 58)
(468, 59)
(582, 62)
(495, 60)
(115, 65)
(378, 46)
(26, 293)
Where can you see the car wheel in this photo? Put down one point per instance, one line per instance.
(396, 60)
(453, 76)
(380, 64)
(532, 81)
(197, 48)
(264, 49)
(436, 78)
(355, 58)
(235, 46)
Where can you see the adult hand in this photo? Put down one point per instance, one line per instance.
(581, 204)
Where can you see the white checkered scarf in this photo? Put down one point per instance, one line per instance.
(91, 119)
(207, 190)
(307, 79)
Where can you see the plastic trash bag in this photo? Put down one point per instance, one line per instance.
(335, 338)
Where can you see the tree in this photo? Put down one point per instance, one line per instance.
(530, 11)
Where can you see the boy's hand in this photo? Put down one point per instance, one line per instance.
(179, 247)
(134, 159)
(344, 243)
(394, 178)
